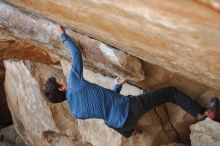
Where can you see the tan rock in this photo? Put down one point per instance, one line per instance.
(187, 45)
(24, 51)
(181, 36)
(212, 3)
(32, 116)
(40, 32)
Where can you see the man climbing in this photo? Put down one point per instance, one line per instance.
(88, 100)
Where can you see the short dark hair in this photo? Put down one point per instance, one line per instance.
(52, 92)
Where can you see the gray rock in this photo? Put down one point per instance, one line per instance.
(205, 133)
(9, 136)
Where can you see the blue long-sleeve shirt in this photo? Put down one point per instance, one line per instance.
(89, 100)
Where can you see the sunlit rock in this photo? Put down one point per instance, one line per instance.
(212, 3)
(41, 34)
(180, 36)
(177, 42)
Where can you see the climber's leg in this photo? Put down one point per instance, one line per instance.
(154, 98)
(134, 113)
(138, 105)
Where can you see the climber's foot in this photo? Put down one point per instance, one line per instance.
(213, 109)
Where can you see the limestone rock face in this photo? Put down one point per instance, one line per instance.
(213, 3)
(8, 135)
(40, 32)
(181, 36)
(28, 106)
(151, 43)
(16, 49)
(205, 133)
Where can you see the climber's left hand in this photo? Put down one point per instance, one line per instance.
(120, 80)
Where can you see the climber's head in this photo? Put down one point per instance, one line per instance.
(55, 90)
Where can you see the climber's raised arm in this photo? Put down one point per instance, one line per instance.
(118, 84)
(76, 56)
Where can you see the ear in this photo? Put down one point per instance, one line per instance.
(62, 88)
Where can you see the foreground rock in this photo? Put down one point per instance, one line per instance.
(182, 37)
(32, 117)
(205, 133)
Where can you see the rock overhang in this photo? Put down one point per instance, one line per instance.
(180, 36)
(38, 34)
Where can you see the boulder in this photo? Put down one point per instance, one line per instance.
(42, 41)
(31, 114)
(9, 136)
(166, 43)
(205, 133)
(180, 36)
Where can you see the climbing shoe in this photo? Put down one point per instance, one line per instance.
(213, 109)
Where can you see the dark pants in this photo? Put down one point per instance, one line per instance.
(138, 105)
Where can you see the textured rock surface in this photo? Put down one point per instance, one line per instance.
(40, 32)
(205, 133)
(172, 34)
(16, 48)
(181, 36)
(28, 106)
(8, 135)
(213, 3)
